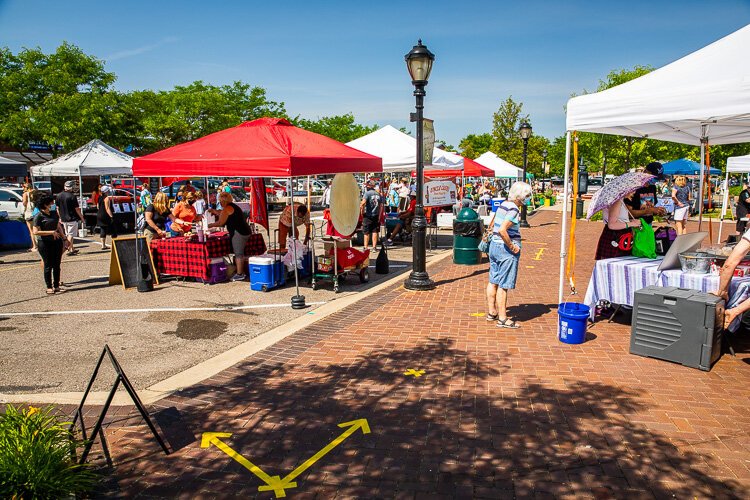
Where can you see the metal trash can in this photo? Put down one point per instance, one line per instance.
(467, 233)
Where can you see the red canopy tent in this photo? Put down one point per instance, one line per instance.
(266, 147)
(471, 169)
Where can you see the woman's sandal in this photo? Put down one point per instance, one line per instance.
(507, 323)
(491, 317)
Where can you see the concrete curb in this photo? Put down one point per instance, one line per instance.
(218, 363)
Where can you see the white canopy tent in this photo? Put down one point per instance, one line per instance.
(735, 165)
(501, 167)
(399, 151)
(703, 97)
(94, 158)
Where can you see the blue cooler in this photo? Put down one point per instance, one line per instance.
(265, 273)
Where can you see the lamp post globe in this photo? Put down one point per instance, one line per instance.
(419, 63)
(525, 132)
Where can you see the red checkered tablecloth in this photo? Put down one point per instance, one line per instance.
(190, 259)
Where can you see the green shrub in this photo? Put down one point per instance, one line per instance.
(36, 458)
(597, 216)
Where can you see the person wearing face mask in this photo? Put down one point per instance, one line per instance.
(50, 241)
(642, 203)
(184, 214)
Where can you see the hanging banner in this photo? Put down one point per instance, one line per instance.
(428, 141)
(439, 194)
(258, 203)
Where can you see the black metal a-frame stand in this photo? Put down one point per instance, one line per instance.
(121, 379)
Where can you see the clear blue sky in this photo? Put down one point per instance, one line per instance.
(332, 57)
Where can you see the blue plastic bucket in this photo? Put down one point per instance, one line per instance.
(572, 319)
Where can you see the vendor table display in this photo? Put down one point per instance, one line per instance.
(616, 280)
(190, 258)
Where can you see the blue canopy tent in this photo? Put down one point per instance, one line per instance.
(686, 167)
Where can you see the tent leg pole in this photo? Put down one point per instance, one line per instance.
(724, 202)
(563, 236)
(298, 301)
(700, 182)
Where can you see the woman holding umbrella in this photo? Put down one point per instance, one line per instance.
(616, 239)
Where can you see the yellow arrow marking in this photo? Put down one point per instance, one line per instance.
(412, 371)
(538, 255)
(213, 438)
(279, 485)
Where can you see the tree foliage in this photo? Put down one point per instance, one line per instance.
(62, 98)
(342, 128)
(474, 145)
(68, 98)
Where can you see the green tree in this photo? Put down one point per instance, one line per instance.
(474, 145)
(342, 128)
(62, 98)
(506, 141)
(189, 112)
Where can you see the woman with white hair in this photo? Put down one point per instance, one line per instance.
(505, 252)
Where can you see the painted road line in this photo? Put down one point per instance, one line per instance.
(287, 482)
(414, 373)
(213, 438)
(538, 255)
(477, 315)
(155, 309)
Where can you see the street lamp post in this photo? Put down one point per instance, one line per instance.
(525, 132)
(544, 169)
(419, 63)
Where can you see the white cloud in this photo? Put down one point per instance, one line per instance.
(123, 54)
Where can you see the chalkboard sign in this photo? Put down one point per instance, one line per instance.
(122, 262)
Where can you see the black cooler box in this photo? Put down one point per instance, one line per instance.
(677, 324)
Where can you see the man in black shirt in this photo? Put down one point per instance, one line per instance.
(642, 203)
(371, 209)
(743, 208)
(70, 214)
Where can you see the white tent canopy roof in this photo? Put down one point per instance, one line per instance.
(501, 167)
(93, 158)
(399, 151)
(738, 164)
(704, 94)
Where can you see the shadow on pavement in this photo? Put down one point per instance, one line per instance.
(462, 429)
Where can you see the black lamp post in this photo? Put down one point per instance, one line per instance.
(419, 63)
(525, 132)
(544, 169)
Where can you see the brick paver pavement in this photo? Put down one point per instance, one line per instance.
(496, 413)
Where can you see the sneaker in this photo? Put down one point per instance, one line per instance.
(388, 243)
(239, 277)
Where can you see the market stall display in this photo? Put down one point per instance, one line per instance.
(617, 280)
(190, 258)
(339, 258)
(670, 104)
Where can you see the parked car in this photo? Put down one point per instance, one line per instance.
(278, 196)
(595, 184)
(11, 201)
(43, 185)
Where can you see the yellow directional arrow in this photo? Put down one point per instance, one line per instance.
(278, 486)
(214, 438)
(539, 253)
